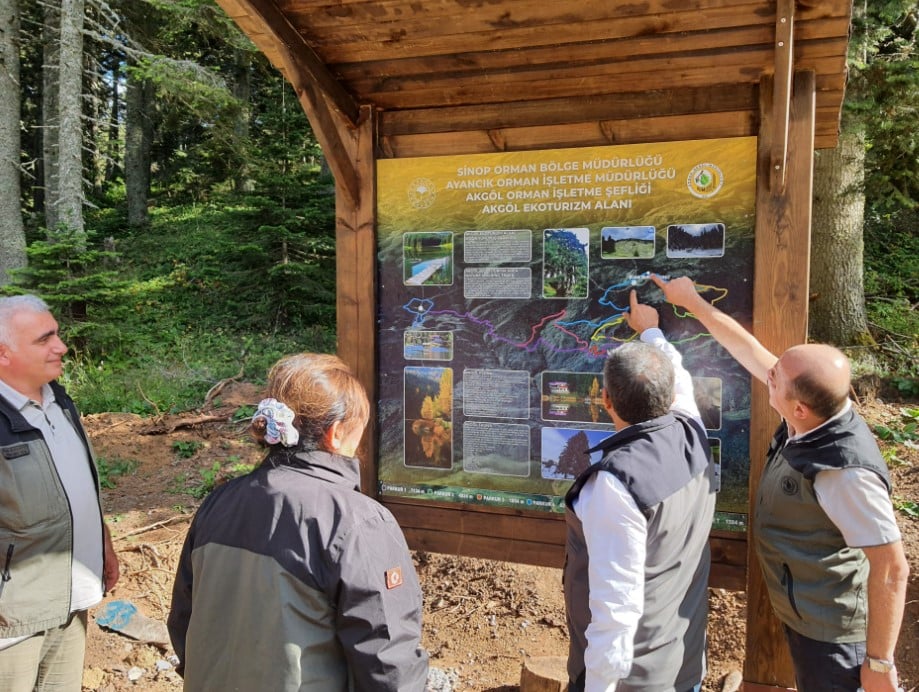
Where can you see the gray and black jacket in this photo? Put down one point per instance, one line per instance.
(36, 526)
(292, 580)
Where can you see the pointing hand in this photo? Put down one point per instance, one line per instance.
(640, 317)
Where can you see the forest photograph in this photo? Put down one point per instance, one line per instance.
(566, 263)
(695, 240)
(627, 242)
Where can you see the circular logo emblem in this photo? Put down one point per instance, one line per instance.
(704, 180)
(789, 485)
(421, 193)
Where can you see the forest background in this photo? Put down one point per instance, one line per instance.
(161, 187)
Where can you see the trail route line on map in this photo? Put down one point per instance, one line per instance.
(599, 331)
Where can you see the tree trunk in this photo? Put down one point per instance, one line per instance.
(95, 105)
(837, 310)
(242, 182)
(113, 155)
(137, 143)
(50, 127)
(70, 135)
(12, 233)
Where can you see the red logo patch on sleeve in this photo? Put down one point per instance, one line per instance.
(393, 577)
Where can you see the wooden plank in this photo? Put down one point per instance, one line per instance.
(613, 107)
(642, 104)
(729, 560)
(484, 547)
(686, 72)
(529, 538)
(535, 527)
(355, 260)
(832, 32)
(779, 321)
(616, 6)
(665, 129)
(571, 135)
(418, 36)
(604, 64)
(509, 13)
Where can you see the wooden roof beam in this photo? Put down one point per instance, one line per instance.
(310, 65)
(781, 92)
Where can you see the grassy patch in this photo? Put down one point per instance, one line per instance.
(110, 469)
(209, 478)
(186, 449)
(908, 507)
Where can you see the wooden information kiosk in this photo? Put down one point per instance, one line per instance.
(470, 139)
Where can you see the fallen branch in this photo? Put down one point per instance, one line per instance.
(150, 527)
(156, 409)
(217, 388)
(163, 428)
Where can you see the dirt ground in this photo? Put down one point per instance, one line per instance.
(482, 619)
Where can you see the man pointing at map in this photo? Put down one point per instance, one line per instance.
(637, 560)
(823, 523)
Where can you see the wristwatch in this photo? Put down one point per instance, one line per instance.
(879, 665)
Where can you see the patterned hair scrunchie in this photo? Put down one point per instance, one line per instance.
(279, 422)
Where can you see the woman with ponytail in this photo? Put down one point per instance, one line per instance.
(291, 578)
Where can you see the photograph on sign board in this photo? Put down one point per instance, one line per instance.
(627, 242)
(566, 264)
(572, 397)
(695, 240)
(423, 344)
(707, 392)
(428, 259)
(564, 451)
(428, 417)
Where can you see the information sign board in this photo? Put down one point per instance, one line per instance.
(503, 283)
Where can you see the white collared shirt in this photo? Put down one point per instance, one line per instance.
(855, 499)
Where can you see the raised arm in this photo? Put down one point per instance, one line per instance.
(727, 331)
(644, 320)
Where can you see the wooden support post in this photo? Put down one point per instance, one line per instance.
(355, 257)
(781, 98)
(783, 225)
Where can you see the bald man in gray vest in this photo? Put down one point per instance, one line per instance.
(823, 522)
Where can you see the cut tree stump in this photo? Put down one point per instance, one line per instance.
(732, 681)
(544, 674)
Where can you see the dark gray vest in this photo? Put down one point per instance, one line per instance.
(665, 464)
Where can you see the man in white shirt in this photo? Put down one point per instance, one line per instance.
(56, 554)
(637, 559)
(823, 523)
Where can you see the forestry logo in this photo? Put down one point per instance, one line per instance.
(705, 180)
(422, 193)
